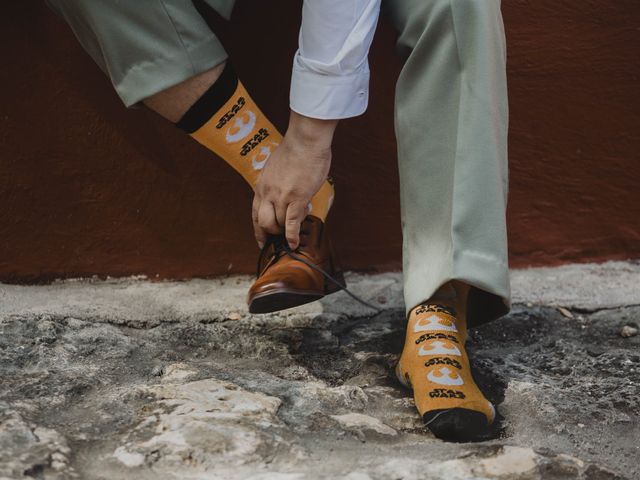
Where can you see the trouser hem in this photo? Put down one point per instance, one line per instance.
(153, 76)
(490, 297)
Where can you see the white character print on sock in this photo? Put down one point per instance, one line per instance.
(434, 323)
(242, 126)
(260, 159)
(437, 347)
(445, 376)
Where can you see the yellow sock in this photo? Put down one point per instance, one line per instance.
(435, 365)
(228, 122)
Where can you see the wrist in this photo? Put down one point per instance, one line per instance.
(311, 132)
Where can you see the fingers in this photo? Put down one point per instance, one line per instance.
(295, 214)
(260, 234)
(281, 213)
(271, 218)
(267, 218)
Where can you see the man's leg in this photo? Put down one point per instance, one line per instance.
(164, 55)
(451, 127)
(175, 101)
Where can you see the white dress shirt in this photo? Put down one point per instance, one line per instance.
(330, 77)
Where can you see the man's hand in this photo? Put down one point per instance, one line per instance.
(291, 177)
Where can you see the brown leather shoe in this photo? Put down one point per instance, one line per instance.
(285, 278)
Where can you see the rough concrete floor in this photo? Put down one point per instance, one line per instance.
(139, 380)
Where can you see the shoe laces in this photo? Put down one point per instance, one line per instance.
(281, 247)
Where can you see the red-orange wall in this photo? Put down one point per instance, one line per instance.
(88, 187)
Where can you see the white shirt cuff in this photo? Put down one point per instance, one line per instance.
(329, 97)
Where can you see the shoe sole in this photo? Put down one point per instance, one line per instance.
(283, 299)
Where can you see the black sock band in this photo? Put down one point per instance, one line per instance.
(210, 102)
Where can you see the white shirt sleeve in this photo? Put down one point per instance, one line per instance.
(330, 77)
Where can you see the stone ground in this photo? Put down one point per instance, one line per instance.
(130, 379)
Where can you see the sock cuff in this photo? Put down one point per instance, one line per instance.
(210, 102)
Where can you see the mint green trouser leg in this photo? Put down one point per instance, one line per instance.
(145, 46)
(451, 127)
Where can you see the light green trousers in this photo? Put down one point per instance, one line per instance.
(450, 119)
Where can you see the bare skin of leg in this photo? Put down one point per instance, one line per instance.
(174, 102)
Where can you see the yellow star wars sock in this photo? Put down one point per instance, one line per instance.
(228, 122)
(435, 365)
